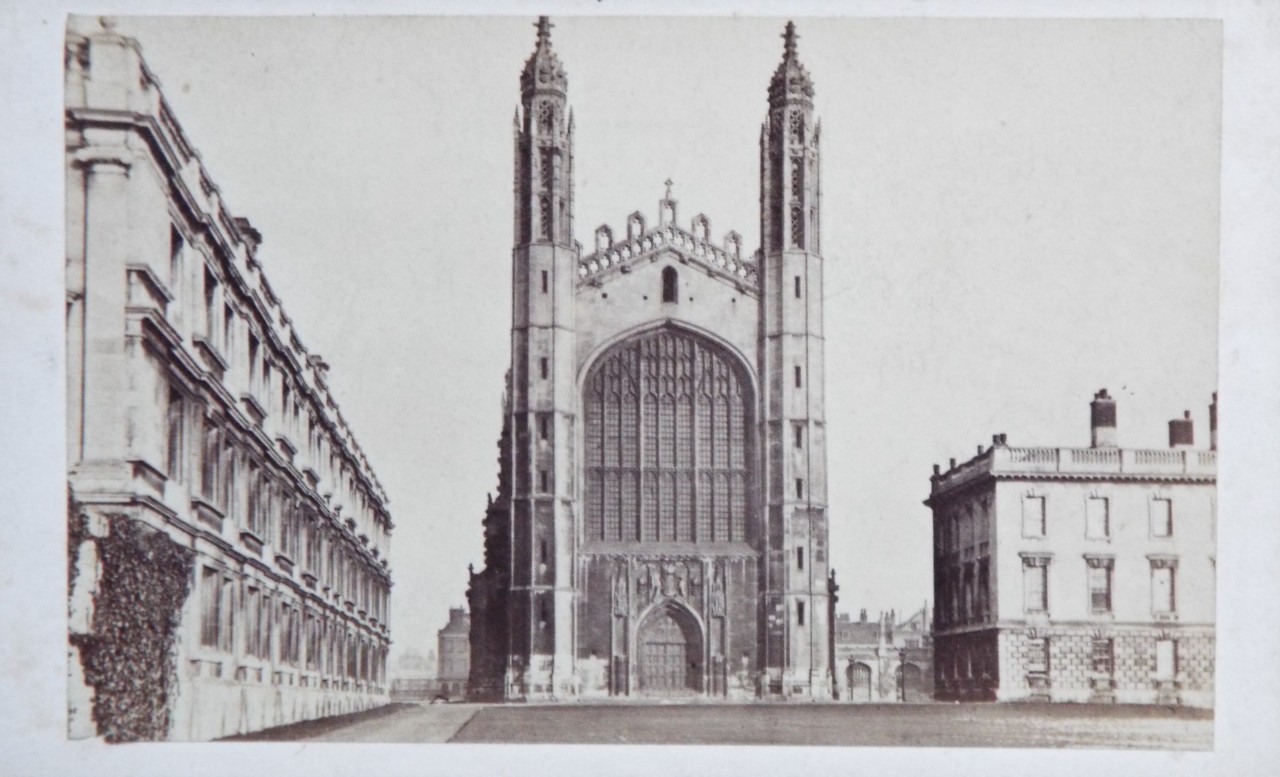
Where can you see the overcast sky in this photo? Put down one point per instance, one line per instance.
(1015, 214)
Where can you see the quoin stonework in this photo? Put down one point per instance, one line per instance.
(660, 525)
(227, 536)
(1078, 574)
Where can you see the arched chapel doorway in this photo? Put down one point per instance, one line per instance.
(669, 645)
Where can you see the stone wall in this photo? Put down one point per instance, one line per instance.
(1072, 675)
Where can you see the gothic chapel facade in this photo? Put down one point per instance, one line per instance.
(660, 526)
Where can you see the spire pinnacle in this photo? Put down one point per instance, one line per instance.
(668, 184)
(544, 26)
(543, 72)
(790, 81)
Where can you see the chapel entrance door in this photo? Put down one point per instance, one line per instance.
(670, 655)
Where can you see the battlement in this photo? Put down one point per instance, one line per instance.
(692, 245)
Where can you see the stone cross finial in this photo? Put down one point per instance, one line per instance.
(789, 38)
(668, 183)
(544, 26)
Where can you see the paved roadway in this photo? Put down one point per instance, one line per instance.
(915, 725)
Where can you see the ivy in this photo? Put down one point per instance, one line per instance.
(77, 532)
(129, 657)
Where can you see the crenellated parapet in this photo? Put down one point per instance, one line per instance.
(692, 246)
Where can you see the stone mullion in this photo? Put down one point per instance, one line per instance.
(641, 446)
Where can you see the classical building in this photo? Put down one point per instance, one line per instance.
(1077, 574)
(660, 526)
(227, 539)
(885, 660)
(454, 656)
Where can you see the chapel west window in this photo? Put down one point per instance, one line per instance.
(667, 443)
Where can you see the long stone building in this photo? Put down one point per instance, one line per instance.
(1077, 574)
(660, 526)
(227, 537)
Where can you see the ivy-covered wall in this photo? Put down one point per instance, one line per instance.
(77, 532)
(129, 657)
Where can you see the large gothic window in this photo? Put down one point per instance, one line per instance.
(668, 433)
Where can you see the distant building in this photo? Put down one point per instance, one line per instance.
(1077, 574)
(228, 538)
(454, 656)
(413, 677)
(884, 660)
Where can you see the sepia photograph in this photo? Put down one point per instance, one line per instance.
(638, 377)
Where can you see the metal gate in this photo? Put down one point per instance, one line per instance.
(859, 676)
(912, 683)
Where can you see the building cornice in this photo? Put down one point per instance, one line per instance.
(1085, 465)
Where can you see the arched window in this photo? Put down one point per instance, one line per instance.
(670, 285)
(668, 420)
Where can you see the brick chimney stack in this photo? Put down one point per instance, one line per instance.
(1102, 420)
(1213, 423)
(1181, 432)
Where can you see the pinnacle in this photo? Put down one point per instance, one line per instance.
(542, 70)
(544, 26)
(790, 80)
(790, 37)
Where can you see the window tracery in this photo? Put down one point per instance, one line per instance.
(667, 426)
(797, 127)
(547, 116)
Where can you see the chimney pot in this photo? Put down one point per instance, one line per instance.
(953, 463)
(937, 470)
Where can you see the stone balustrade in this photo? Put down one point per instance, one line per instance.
(1004, 460)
